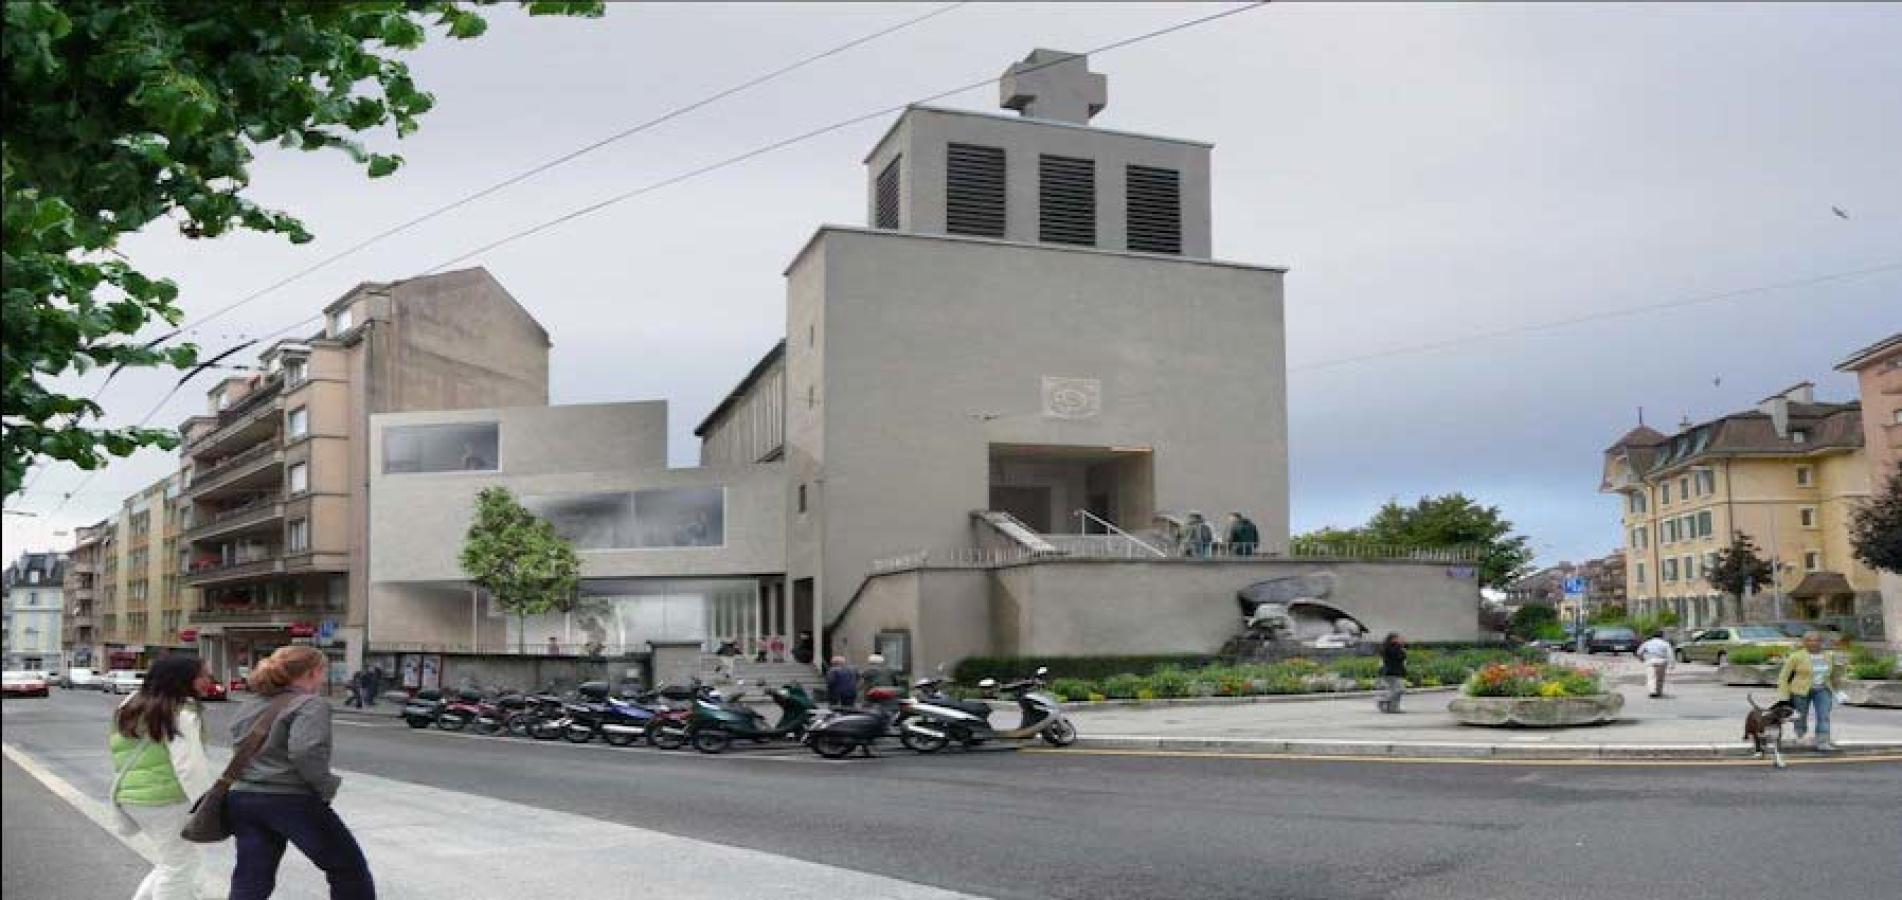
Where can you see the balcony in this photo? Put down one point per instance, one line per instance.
(263, 513)
(249, 566)
(254, 469)
(248, 614)
(244, 422)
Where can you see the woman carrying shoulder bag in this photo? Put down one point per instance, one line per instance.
(158, 755)
(283, 795)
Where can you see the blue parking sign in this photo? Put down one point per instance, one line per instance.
(1575, 584)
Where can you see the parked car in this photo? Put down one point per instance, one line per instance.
(217, 691)
(1832, 635)
(23, 684)
(1611, 639)
(124, 681)
(82, 680)
(1714, 645)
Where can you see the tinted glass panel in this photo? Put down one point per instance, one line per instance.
(468, 447)
(634, 520)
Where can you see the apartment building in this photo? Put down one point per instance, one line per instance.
(32, 602)
(79, 632)
(276, 471)
(136, 589)
(1878, 371)
(1786, 473)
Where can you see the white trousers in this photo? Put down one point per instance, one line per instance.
(1654, 676)
(176, 875)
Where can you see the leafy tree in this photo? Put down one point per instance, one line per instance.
(119, 114)
(1739, 570)
(1528, 620)
(1875, 528)
(518, 558)
(1453, 520)
(1608, 614)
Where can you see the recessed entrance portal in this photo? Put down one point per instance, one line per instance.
(1047, 487)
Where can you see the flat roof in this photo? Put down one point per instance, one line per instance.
(1032, 245)
(1022, 120)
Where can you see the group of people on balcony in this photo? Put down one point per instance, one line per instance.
(1196, 538)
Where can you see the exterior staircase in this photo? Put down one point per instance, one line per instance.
(770, 674)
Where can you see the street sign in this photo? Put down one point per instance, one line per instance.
(1575, 586)
(327, 629)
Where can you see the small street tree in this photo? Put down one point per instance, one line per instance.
(1739, 570)
(1530, 620)
(1875, 528)
(1452, 520)
(518, 558)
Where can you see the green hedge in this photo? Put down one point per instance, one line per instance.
(973, 669)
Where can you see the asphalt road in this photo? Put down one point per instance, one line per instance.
(1063, 824)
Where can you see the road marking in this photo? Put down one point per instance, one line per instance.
(1306, 757)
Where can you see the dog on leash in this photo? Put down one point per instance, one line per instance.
(1763, 727)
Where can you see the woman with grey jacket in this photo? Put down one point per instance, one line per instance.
(284, 795)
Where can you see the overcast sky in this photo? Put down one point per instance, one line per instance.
(1428, 173)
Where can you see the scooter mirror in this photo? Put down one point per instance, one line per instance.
(1042, 671)
(987, 683)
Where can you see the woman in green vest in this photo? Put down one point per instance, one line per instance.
(1811, 677)
(158, 757)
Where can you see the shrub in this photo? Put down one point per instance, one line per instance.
(1502, 679)
(973, 669)
(1169, 681)
(1356, 667)
(1871, 666)
(1072, 689)
(1124, 686)
(1756, 656)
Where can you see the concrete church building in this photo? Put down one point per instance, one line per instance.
(989, 409)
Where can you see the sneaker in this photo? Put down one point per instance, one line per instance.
(1825, 746)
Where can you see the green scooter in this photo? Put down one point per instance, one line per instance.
(715, 725)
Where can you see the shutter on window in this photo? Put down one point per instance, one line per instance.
(1066, 200)
(974, 190)
(886, 196)
(1155, 210)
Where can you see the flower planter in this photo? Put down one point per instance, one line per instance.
(1857, 692)
(1764, 675)
(1536, 712)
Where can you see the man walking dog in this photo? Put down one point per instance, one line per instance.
(1656, 655)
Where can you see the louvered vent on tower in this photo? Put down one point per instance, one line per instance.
(1155, 210)
(1066, 200)
(885, 197)
(974, 190)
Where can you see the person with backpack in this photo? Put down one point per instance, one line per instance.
(283, 795)
(158, 752)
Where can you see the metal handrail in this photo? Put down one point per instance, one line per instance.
(1111, 527)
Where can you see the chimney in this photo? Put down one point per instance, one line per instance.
(1777, 406)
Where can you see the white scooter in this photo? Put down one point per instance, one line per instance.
(933, 719)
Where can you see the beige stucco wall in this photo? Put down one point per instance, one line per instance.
(930, 350)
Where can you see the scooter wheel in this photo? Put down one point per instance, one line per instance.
(619, 738)
(711, 740)
(665, 738)
(1059, 734)
(923, 743)
(416, 721)
(451, 722)
(544, 730)
(832, 746)
(576, 735)
(490, 727)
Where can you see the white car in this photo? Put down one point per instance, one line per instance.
(22, 684)
(82, 679)
(124, 681)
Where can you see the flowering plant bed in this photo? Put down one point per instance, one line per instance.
(1524, 679)
(1531, 694)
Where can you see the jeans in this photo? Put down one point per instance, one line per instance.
(1821, 700)
(175, 877)
(262, 823)
(1392, 688)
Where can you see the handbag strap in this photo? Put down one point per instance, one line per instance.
(253, 743)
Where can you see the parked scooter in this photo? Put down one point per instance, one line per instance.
(456, 714)
(620, 721)
(713, 726)
(935, 719)
(667, 730)
(424, 708)
(838, 734)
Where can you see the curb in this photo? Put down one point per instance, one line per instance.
(1257, 698)
(1355, 749)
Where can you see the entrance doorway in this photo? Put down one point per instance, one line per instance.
(1031, 505)
(1047, 486)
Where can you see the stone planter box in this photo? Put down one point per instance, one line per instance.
(1857, 692)
(1764, 675)
(1537, 712)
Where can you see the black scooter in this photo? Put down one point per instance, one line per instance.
(838, 734)
(423, 709)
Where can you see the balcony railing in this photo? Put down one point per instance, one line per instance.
(252, 460)
(262, 509)
(222, 613)
(242, 413)
(250, 564)
(1068, 547)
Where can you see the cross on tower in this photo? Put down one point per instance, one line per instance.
(1054, 85)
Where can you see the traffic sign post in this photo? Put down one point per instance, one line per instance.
(1575, 588)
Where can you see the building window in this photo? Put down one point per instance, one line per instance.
(1690, 568)
(1664, 494)
(221, 401)
(1066, 200)
(1684, 487)
(300, 478)
(295, 372)
(1153, 210)
(297, 539)
(802, 499)
(340, 322)
(635, 520)
(974, 190)
(885, 196)
(1799, 436)
(1704, 524)
(812, 396)
(1805, 476)
(1706, 482)
(1807, 515)
(299, 422)
(1670, 570)
(463, 447)
(1812, 560)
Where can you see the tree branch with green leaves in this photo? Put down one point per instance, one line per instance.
(519, 559)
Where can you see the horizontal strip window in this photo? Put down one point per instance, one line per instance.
(974, 190)
(463, 447)
(1066, 198)
(637, 520)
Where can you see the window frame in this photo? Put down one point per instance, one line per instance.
(297, 422)
(291, 478)
(1805, 476)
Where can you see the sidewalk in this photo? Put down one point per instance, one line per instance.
(71, 855)
(1697, 719)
